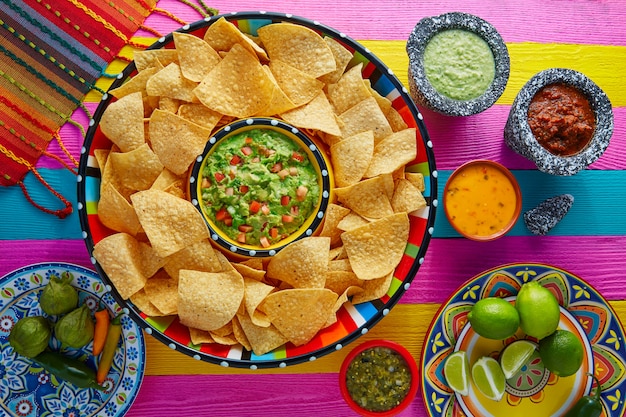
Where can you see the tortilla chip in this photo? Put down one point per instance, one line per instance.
(407, 198)
(196, 56)
(261, 339)
(142, 302)
(163, 293)
(339, 265)
(176, 141)
(299, 313)
(368, 198)
(299, 86)
(122, 122)
(199, 256)
(136, 169)
(395, 120)
(417, 179)
(373, 289)
(152, 57)
(342, 58)
(150, 261)
(374, 250)
(316, 114)
(134, 84)
(341, 300)
(237, 86)
(302, 264)
(334, 214)
(222, 35)
(366, 115)
(393, 152)
(349, 90)
(115, 212)
(351, 221)
(165, 179)
(383, 102)
(169, 82)
(208, 300)
(298, 46)
(170, 223)
(246, 271)
(200, 115)
(254, 294)
(239, 334)
(119, 256)
(199, 337)
(279, 102)
(351, 157)
(339, 281)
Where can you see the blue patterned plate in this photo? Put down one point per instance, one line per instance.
(26, 389)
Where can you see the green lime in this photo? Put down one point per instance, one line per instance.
(494, 318)
(561, 353)
(538, 310)
(515, 356)
(489, 378)
(456, 371)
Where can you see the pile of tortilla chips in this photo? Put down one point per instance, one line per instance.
(160, 255)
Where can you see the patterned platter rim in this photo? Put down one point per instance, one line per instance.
(352, 320)
(607, 338)
(88, 402)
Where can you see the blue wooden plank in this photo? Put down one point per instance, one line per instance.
(599, 202)
(599, 205)
(20, 220)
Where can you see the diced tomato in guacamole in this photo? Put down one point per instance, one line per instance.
(259, 187)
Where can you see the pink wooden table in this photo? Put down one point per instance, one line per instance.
(586, 35)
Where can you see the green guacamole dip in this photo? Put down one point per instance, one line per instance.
(259, 187)
(378, 379)
(459, 64)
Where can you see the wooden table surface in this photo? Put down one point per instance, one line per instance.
(585, 35)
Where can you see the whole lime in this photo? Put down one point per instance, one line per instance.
(538, 309)
(561, 353)
(494, 318)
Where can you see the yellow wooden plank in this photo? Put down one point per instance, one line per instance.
(406, 324)
(603, 64)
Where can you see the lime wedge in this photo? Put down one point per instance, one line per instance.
(515, 356)
(489, 378)
(456, 371)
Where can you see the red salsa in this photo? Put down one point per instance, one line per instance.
(561, 119)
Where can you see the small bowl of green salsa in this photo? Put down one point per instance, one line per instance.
(458, 64)
(260, 184)
(378, 378)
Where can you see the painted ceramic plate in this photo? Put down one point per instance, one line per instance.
(352, 320)
(533, 390)
(28, 390)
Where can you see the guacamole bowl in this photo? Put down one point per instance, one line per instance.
(458, 64)
(261, 184)
(143, 164)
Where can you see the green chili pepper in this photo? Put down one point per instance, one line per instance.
(589, 405)
(69, 369)
(110, 346)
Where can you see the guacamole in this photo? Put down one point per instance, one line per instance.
(259, 187)
(459, 64)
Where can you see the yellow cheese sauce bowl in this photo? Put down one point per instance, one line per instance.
(482, 200)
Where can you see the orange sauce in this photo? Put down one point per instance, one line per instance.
(480, 200)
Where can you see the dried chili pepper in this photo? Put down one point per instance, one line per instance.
(101, 330)
(589, 405)
(110, 346)
(69, 369)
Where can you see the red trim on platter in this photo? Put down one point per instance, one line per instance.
(417, 227)
(403, 268)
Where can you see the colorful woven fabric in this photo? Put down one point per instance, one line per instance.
(51, 54)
